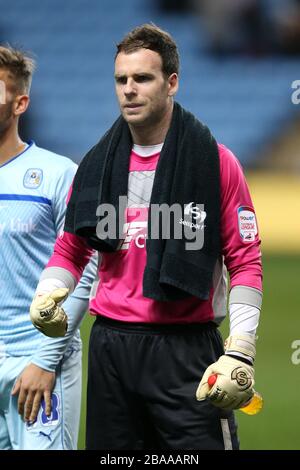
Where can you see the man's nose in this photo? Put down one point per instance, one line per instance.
(130, 87)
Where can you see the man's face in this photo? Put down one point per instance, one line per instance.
(6, 102)
(142, 88)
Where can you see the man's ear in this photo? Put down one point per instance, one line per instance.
(21, 103)
(173, 84)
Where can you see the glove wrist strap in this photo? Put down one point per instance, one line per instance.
(244, 344)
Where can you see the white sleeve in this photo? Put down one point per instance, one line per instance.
(244, 309)
(244, 319)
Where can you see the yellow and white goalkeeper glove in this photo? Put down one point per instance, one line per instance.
(47, 315)
(235, 378)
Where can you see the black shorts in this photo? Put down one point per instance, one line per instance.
(142, 382)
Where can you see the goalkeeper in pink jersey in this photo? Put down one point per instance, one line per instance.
(169, 211)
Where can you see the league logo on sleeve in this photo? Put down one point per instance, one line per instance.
(247, 224)
(33, 178)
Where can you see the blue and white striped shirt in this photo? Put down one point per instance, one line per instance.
(33, 191)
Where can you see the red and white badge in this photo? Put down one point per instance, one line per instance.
(247, 224)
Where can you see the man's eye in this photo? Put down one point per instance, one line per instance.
(121, 80)
(142, 78)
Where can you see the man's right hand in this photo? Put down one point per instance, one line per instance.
(47, 315)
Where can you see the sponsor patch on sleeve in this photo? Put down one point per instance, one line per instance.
(247, 224)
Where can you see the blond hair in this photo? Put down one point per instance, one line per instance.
(20, 68)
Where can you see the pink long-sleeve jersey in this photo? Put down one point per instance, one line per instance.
(119, 293)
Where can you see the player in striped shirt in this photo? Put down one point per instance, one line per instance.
(43, 374)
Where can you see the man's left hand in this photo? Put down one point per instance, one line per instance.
(233, 387)
(32, 385)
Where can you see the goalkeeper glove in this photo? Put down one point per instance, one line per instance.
(46, 314)
(235, 378)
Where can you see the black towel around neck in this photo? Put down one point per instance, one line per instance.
(187, 174)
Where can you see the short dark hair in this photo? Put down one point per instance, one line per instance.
(150, 36)
(19, 66)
